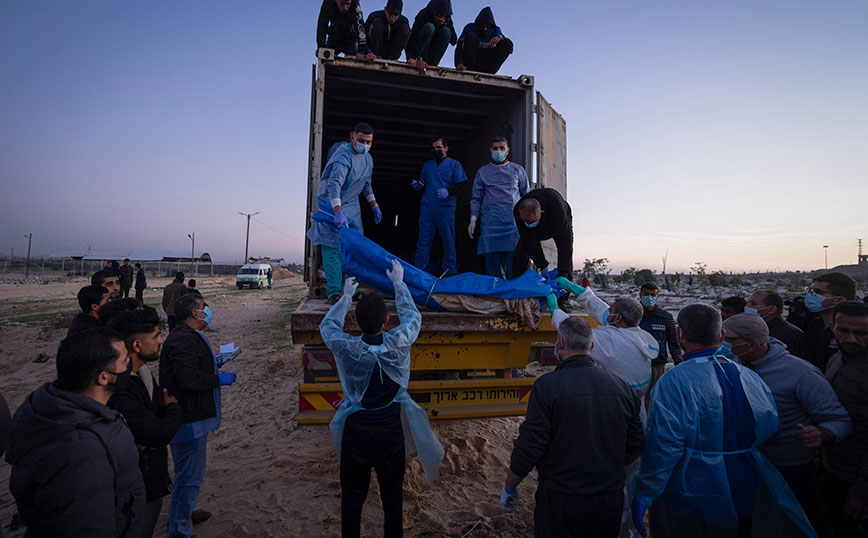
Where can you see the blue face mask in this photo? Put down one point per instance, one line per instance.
(648, 301)
(360, 148)
(605, 321)
(532, 225)
(208, 315)
(557, 355)
(814, 302)
(498, 156)
(749, 310)
(726, 351)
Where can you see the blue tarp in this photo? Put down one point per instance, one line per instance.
(368, 261)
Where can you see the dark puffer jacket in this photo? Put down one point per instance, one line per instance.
(75, 468)
(187, 372)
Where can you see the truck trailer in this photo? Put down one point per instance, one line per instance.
(462, 363)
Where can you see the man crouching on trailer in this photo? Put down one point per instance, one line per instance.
(371, 425)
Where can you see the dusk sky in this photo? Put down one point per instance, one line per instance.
(732, 133)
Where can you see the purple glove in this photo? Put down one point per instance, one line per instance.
(341, 219)
(378, 215)
(442, 194)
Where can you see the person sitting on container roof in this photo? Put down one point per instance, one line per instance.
(341, 26)
(388, 31)
(482, 45)
(368, 429)
(496, 188)
(540, 215)
(441, 178)
(346, 175)
(432, 32)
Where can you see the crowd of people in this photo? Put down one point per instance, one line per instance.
(386, 34)
(89, 451)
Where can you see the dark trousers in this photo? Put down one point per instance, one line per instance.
(379, 445)
(833, 492)
(125, 291)
(171, 320)
(558, 515)
(140, 295)
(152, 514)
(800, 478)
(484, 60)
(387, 42)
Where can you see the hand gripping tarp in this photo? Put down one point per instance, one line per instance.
(368, 261)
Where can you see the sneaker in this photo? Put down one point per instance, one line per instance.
(200, 516)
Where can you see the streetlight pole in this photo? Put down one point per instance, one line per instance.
(192, 250)
(826, 252)
(27, 263)
(247, 239)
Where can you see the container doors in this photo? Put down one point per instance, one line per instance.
(551, 156)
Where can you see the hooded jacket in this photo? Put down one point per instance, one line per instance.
(425, 16)
(348, 27)
(75, 467)
(483, 39)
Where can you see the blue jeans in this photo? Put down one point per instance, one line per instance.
(444, 223)
(498, 264)
(331, 266)
(189, 459)
(431, 42)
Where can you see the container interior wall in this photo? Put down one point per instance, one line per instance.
(407, 111)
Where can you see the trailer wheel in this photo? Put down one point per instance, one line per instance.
(239, 286)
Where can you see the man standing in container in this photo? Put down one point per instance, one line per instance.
(496, 188)
(540, 215)
(347, 174)
(441, 178)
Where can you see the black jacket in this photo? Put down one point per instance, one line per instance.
(81, 322)
(75, 467)
(820, 343)
(381, 16)
(171, 293)
(126, 276)
(153, 425)
(348, 27)
(556, 223)
(425, 16)
(141, 280)
(792, 336)
(187, 372)
(582, 427)
(5, 424)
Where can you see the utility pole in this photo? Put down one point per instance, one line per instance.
(859, 259)
(247, 240)
(27, 263)
(192, 250)
(826, 251)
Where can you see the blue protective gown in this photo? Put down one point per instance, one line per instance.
(707, 417)
(356, 360)
(347, 174)
(496, 190)
(438, 214)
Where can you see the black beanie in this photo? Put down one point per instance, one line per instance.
(394, 7)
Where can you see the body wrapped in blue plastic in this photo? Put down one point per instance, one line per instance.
(684, 459)
(355, 362)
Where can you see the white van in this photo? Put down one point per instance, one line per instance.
(254, 275)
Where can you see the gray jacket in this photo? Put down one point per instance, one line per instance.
(803, 396)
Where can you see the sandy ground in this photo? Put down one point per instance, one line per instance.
(267, 476)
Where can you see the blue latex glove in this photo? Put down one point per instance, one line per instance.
(378, 215)
(442, 194)
(570, 286)
(638, 509)
(227, 378)
(507, 497)
(417, 185)
(341, 219)
(552, 300)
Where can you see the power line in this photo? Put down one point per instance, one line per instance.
(278, 231)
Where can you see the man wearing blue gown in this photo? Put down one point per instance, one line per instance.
(441, 178)
(347, 174)
(496, 188)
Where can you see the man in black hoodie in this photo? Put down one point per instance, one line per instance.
(388, 31)
(90, 300)
(539, 215)
(341, 26)
(152, 415)
(432, 32)
(75, 467)
(482, 45)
